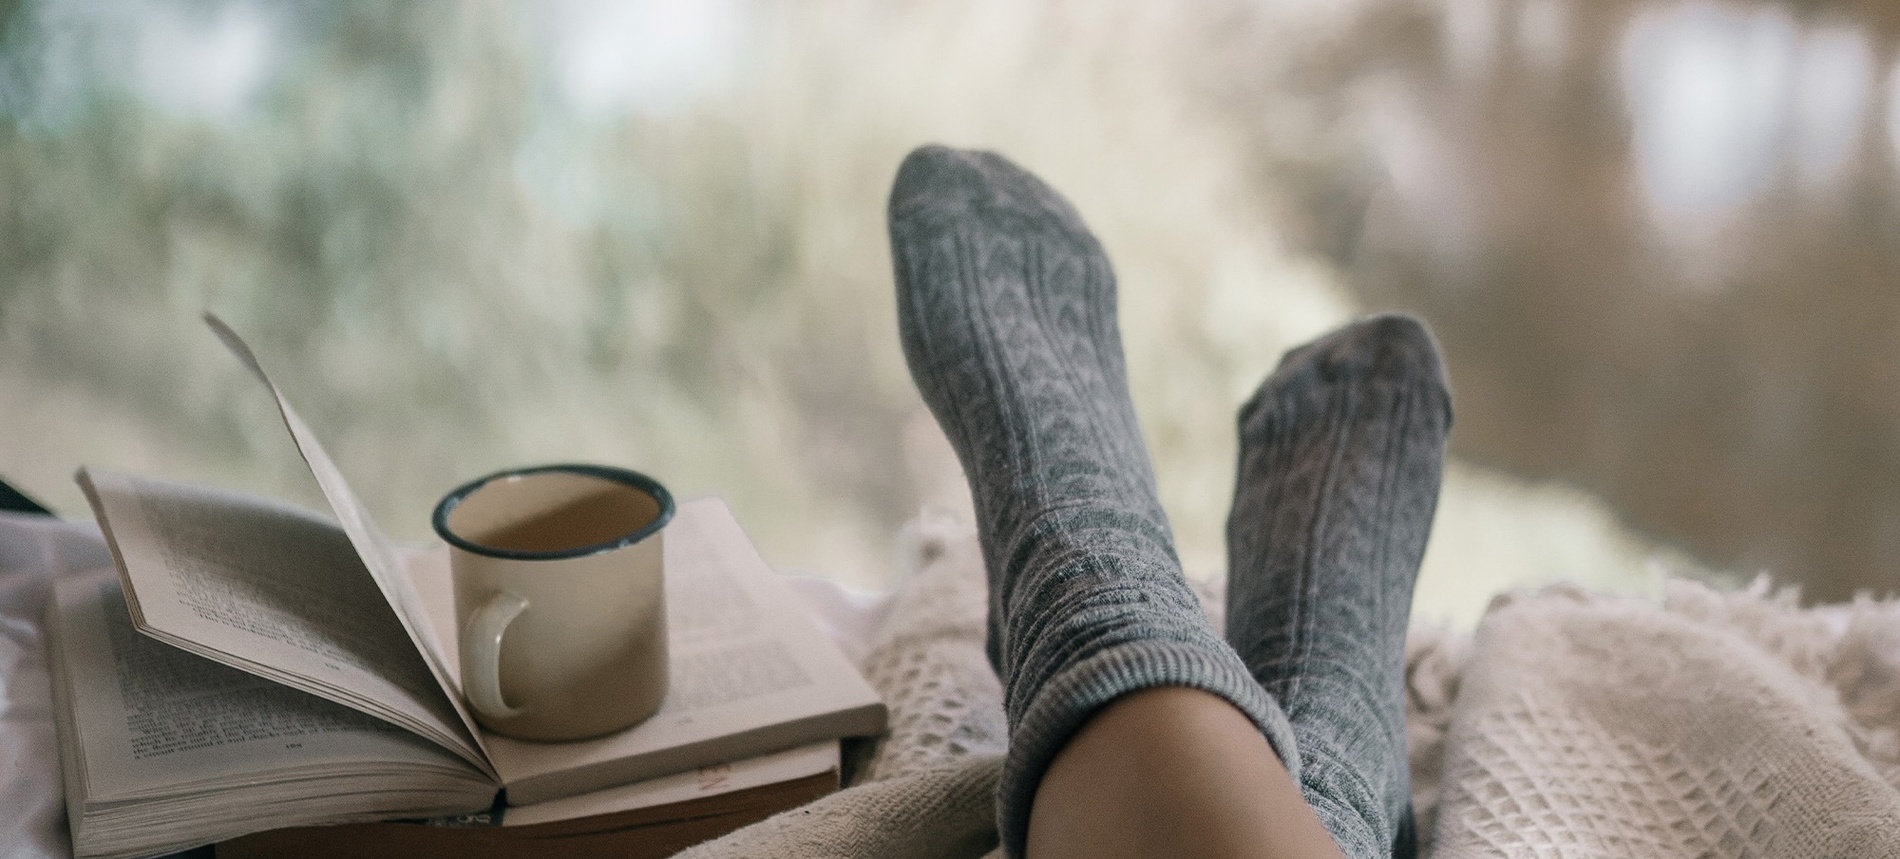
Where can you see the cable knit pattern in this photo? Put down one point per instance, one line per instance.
(1006, 310)
(1341, 451)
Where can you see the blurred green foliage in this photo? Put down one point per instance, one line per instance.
(457, 252)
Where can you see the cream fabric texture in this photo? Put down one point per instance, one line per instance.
(928, 787)
(1716, 725)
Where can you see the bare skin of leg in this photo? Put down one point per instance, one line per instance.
(1176, 772)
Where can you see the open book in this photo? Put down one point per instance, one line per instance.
(306, 673)
(645, 820)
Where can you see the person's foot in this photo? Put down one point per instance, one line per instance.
(1341, 451)
(1006, 307)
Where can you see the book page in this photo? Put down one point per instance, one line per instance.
(368, 539)
(710, 780)
(270, 589)
(749, 673)
(151, 718)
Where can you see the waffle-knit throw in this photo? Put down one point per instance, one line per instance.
(1710, 710)
(1714, 728)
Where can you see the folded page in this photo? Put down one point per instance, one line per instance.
(368, 539)
(270, 589)
(141, 719)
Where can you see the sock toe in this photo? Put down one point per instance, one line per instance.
(938, 186)
(1380, 348)
(1388, 349)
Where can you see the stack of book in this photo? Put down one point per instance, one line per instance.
(280, 683)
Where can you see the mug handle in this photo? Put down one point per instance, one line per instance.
(481, 654)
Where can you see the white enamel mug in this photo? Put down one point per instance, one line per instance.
(559, 598)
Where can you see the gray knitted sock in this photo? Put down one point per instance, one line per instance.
(1340, 455)
(1006, 305)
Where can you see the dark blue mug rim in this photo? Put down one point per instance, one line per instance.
(623, 476)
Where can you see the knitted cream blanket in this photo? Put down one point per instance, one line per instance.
(1572, 726)
(1715, 726)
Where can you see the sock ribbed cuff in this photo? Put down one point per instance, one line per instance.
(1069, 698)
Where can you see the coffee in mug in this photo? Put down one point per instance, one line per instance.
(559, 598)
